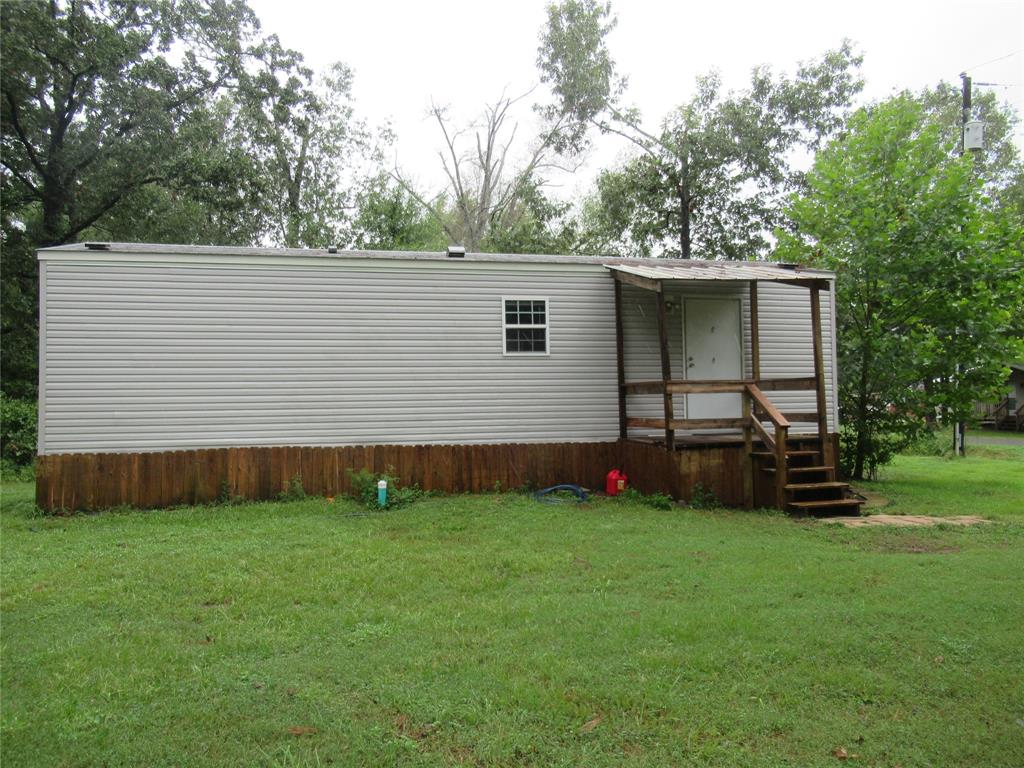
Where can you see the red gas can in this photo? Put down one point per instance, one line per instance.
(615, 482)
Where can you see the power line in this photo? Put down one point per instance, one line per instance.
(993, 61)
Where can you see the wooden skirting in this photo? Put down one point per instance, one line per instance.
(73, 482)
(717, 468)
(93, 481)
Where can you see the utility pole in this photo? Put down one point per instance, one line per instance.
(960, 429)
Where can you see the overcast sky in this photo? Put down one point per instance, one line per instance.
(463, 53)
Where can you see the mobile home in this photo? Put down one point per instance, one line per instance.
(172, 374)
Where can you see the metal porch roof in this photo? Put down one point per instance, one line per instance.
(696, 269)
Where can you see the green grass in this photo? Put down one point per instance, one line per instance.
(493, 630)
(994, 433)
(989, 482)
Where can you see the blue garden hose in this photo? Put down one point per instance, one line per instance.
(544, 495)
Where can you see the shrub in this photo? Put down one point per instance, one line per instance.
(17, 431)
(16, 473)
(880, 447)
(934, 442)
(364, 489)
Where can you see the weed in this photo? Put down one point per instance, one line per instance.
(294, 491)
(654, 500)
(225, 496)
(703, 498)
(364, 489)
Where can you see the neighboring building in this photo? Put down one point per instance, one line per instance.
(148, 349)
(1008, 412)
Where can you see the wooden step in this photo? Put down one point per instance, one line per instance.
(788, 453)
(825, 503)
(815, 486)
(793, 470)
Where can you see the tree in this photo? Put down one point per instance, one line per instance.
(928, 276)
(92, 102)
(999, 165)
(485, 193)
(710, 180)
(306, 141)
(214, 191)
(92, 106)
(389, 218)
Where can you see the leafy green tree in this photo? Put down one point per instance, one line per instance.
(928, 276)
(93, 102)
(303, 134)
(999, 164)
(710, 179)
(214, 192)
(389, 218)
(535, 224)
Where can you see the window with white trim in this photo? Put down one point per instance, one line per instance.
(524, 323)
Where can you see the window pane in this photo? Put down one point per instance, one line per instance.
(525, 340)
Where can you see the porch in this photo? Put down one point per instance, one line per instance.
(776, 466)
(1008, 413)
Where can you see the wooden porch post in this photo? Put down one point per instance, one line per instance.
(781, 466)
(748, 448)
(748, 412)
(666, 371)
(620, 356)
(755, 336)
(819, 377)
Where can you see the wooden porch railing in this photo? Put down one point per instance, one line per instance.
(756, 405)
(761, 406)
(1019, 413)
(1001, 410)
(757, 408)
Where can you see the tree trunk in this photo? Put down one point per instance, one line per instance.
(684, 218)
(53, 214)
(863, 437)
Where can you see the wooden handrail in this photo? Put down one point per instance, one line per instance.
(698, 386)
(685, 386)
(763, 433)
(767, 407)
(656, 423)
(804, 417)
(1002, 405)
(791, 384)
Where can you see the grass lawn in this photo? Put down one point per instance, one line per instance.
(1003, 434)
(494, 630)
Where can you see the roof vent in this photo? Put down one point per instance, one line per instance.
(788, 265)
(456, 252)
(98, 246)
(332, 249)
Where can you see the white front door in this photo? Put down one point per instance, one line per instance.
(713, 349)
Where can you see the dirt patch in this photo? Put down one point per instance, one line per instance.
(902, 521)
(913, 545)
(404, 726)
(873, 500)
